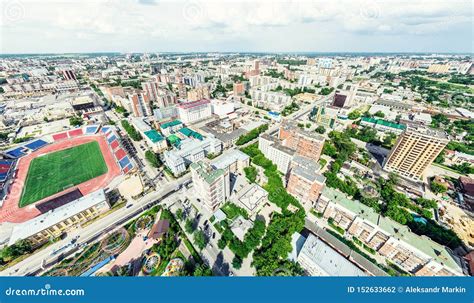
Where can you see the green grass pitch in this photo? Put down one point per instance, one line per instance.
(57, 171)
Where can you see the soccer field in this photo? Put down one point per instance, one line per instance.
(57, 171)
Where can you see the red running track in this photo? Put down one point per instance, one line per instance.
(11, 212)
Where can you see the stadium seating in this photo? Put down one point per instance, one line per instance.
(114, 144)
(91, 129)
(60, 136)
(124, 162)
(105, 129)
(75, 133)
(111, 138)
(36, 144)
(16, 153)
(5, 166)
(119, 154)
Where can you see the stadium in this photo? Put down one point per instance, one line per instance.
(46, 173)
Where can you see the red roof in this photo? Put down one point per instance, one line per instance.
(60, 136)
(119, 154)
(467, 185)
(76, 132)
(114, 144)
(193, 103)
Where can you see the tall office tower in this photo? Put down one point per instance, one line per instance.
(256, 65)
(415, 150)
(69, 75)
(140, 104)
(211, 185)
(151, 89)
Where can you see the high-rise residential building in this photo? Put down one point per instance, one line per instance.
(308, 144)
(165, 98)
(140, 104)
(194, 111)
(69, 75)
(276, 152)
(211, 185)
(198, 93)
(415, 150)
(239, 89)
(151, 89)
(304, 180)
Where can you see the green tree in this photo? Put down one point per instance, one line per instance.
(200, 239)
(153, 159)
(236, 262)
(76, 121)
(320, 129)
(437, 187)
(189, 226)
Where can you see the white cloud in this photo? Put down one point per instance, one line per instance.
(191, 24)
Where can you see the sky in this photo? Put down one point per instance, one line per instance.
(65, 26)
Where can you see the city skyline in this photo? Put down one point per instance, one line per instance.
(235, 26)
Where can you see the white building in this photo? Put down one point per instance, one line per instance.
(222, 108)
(191, 112)
(211, 185)
(280, 155)
(319, 259)
(191, 150)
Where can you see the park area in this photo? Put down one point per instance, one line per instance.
(52, 173)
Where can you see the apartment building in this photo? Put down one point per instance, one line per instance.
(52, 224)
(194, 111)
(212, 185)
(305, 143)
(304, 181)
(140, 104)
(416, 148)
(199, 93)
(280, 155)
(190, 150)
(418, 255)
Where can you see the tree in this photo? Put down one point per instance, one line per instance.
(354, 115)
(437, 187)
(379, 114)
(179, 214)
(153, 159)
(200, 239)
(320, 129)
(251, 173)
(236, 262)
(202, 270)
(132, 132)
(76, 121)
(189, 226)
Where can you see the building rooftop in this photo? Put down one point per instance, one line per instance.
(228, 158)
(43, 221)
(307, 168)
(327, 259)
(252, 196)
(171, 123)
(426, 131)
(154, 136)
(277, 144)
(190, 133)
(191, 104)
(208, 173)
(384, 123)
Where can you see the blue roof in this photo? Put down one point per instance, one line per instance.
(92, 129)
(16, 153)
(124, 162)
(111, 138)
(34, 145)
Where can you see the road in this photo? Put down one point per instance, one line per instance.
(96, 229)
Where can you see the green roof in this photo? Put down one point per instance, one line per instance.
(436, 251)
(384, 123)
(190, 133)
(171, 123)
(154, 136)
(174, 140)
(209, 175)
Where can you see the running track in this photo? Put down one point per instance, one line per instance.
(10, 211)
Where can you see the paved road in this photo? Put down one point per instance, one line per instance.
(96, 229)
